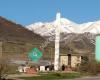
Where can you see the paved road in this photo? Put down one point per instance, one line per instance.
(86, 78)
(17, 76)
(83, 78)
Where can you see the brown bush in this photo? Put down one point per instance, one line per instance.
(6, 68)
(92, 67)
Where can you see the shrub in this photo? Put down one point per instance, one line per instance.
(3, 68)
(92, 67)
(6, 68)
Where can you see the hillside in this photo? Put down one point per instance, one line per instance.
(16, 41)
(10, 31)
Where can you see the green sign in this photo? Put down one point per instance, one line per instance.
(97, 50)
(35, 54)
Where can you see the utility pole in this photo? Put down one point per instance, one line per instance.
(57, 39)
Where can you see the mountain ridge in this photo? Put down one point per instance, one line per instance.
(66, 26)
(78, 37)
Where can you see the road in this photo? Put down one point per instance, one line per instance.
(86, 78)
(83, 78)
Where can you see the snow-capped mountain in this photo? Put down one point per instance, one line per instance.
(71, 33)
(66, 26)
(48, 28)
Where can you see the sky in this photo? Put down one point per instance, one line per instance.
(27, 12)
